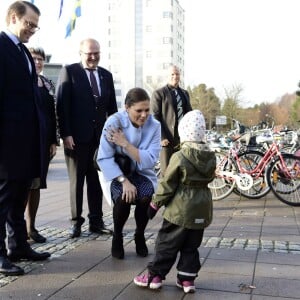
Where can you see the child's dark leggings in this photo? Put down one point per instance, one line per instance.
(172, 239)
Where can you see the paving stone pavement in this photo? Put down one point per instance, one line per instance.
(250, 251)
(58, 243)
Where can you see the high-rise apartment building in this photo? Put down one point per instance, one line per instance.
(139, 39)
(143, 38)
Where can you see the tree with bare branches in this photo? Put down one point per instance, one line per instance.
(205, 99)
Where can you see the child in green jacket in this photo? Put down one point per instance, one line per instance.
(188, 207)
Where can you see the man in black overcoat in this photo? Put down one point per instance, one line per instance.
(22, 131)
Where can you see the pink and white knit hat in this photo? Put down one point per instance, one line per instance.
(192, 127)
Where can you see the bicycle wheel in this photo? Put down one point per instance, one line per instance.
(284, 179)
(249, 161)
(223, 184)
(291, 149)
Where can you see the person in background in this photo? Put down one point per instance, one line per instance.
(46, 89)
(22, 132)
(135, 133)
(188, 207)
(85, 96)
(168, 105)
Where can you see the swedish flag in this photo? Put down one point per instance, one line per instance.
(72, 22)
(61, 8)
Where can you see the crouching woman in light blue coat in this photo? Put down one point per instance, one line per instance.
(135, 133)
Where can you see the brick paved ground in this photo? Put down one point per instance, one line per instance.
(250, 251)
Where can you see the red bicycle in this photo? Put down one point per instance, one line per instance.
(253, 174)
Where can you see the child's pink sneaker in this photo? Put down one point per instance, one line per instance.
(143, 280)
(187, 286)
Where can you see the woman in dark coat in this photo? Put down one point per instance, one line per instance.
(46, 89)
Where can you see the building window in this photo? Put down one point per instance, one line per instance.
(149, 79)
(118, 92)
(148, 54)
(167, 15)
(148, 28)
(167, 40)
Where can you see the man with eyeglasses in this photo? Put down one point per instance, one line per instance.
(31, 26)
(85, 98)
(22, 131)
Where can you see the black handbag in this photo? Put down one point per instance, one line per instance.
(124, 163)
(122, 160)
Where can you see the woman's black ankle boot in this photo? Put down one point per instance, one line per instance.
(117, 249)
(140, 245)
(121, 213)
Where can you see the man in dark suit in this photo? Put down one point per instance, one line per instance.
(85, 98)
(22, 129)
(168, 105)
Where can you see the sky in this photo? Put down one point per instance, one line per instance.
(253, 44)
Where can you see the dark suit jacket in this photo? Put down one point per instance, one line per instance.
(164, 109)
(77, 115)
(22, 123)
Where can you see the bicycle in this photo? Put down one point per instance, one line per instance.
(253, 174)
(229, 180)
